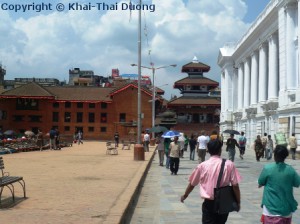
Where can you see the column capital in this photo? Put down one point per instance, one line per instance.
(272, 37)
(254, 53)
(290, 5)
(263, 45)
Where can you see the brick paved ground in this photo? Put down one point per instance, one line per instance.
(80, 184)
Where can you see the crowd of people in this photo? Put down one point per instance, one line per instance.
(55, 139)
(277, 178)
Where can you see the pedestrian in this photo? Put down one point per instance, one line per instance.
(259, 148)
(79, 137)
(52, 143)
(231, 144)
(293, 145)
(264, 140)
(146, 142)
(192, 143)
(278, 202)
(205, 175)
(202, 146)
(167, 142)
(186, 142)
(269, 148)
(116, 137)
(57, 139)
(214, 135)
(40, 139)
(181, 143)
(184, 145)
(174, 154)
(242, 144)
(160, 148)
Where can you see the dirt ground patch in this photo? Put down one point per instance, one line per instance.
(79, 184)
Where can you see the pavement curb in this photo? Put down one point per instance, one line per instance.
(130, 196)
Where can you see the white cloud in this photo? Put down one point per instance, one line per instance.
(50, 44)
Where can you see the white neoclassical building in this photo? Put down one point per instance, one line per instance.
(260, 84)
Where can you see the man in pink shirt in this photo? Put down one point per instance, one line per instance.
(206, 175)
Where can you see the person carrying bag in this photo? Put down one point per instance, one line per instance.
(225, 200)
(205, 176)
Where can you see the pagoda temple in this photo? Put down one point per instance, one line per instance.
(199, 106)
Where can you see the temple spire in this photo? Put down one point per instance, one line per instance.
(195, 60)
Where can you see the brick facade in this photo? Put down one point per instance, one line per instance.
(98, 112)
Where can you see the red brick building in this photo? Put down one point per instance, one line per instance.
(98, 112)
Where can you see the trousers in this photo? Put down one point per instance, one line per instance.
(208, 215)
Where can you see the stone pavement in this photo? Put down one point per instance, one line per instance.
(159, 201)
(79, 184)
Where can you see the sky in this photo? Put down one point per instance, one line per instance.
(42, 42)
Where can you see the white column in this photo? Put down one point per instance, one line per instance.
(291, 34)
(247, 83)
(263, 73)
(298, 51)
(254, 77)
(240, 86)
(229, 84)
(235, 89)
(273, 76)
(223, 93)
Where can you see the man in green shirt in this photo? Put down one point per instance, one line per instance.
(278, 179)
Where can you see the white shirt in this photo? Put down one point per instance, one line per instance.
(146, 137)
(202, 141)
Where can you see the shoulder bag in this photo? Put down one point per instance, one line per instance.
(225, 200)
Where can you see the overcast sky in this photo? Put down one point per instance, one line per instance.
(49, 43)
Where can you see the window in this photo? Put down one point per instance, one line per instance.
(67, 117)
(79, 105)
(103, 129)
(122, 117)
(79, 116)
(77, 128)
(103, 118)
(55, 116)
(3, 115)
(91, 105)
(56, 105)
(67, 128)
(195, 87)
(91, 129)
(27, 104)
(103, 105)
(67, 104)
(34, 118)
(91, 117)
(18, 118)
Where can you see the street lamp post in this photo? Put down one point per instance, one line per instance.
(154, 89)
